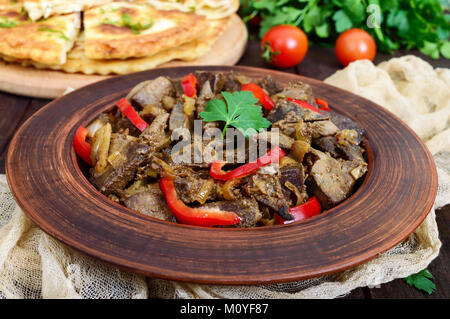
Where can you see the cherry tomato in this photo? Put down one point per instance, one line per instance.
(284, 46)
(355, 44)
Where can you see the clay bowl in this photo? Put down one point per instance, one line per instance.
(48, 183)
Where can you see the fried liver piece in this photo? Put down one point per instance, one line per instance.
(150, 202)
(332, 180)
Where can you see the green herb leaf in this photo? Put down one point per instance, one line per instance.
(422, 281)
(387, 5)
(445, 49)
(6, 23)
(238, 109)
(323, 30)
(57, 32)
(136, 27)
(342, 21)
(312, 19)
(127, 22)
(286, 15)
(431, 49)
(354, 9)
(270, 6)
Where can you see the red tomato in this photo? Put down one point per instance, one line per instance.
(355, 44)
(284, 46)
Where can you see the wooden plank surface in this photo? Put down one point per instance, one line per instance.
(319, 63)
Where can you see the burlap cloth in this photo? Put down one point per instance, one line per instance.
(34, 265)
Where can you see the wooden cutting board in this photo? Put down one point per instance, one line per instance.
(50, 84)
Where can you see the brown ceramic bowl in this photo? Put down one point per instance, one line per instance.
(48, 183)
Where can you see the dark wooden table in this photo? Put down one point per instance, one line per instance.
(319, 63)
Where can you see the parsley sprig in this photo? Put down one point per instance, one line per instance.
(422, 281)
(238, 109)
(394, 24)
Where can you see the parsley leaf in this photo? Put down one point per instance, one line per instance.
(240, 111)
(422, 281)
(445, 49)
(342, 21)
(285, 15)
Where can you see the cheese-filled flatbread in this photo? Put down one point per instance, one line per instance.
(45, 8)
(120, 30)
(213, 9)
(47, 41)
(78, 62)
(11, 4)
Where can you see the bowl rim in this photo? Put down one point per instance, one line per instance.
(234, 276)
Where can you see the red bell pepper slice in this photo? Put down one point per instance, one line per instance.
(189, 85)
(128, 110)
(195, 216)
(82, 148)
(305, 105)
(307, 210)
(272, 156)
(259, 94)
(323, 105)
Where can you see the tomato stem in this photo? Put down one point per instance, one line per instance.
(267, 52)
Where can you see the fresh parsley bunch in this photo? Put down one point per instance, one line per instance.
(394, 24)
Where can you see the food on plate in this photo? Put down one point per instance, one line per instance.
(38, 9)
(355, 44)
(115, 37)
(11, 4)
(120, 30)
(78, 62)
(168, 150)
(284, 46)
(212, 9)
(46, 41)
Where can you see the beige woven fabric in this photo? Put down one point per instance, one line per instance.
(34, 265)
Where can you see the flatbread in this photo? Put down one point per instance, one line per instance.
(77, 61)
(38, 9)
(44, 42)
(121, 30)
(212, 9)
(11, 4)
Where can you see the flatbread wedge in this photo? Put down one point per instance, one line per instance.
(46, 42)
(212, 9)
(78, 62)
(121, 30)
(11, 4)
(38, 9)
